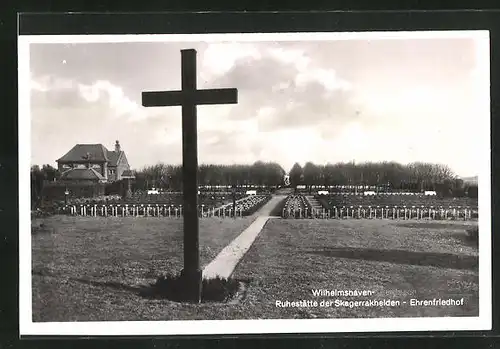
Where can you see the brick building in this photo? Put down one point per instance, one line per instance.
(93, 163)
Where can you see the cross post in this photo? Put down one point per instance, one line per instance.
(188, 98)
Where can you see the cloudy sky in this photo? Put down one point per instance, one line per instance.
(322, 101)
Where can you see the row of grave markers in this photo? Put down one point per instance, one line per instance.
(162, 210)
(227, 211)
(395, 212)
(146, 211)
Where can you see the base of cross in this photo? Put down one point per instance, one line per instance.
(192, 285)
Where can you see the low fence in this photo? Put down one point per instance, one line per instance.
(146, 211)
(393, 200)
(394, 212)
(171, 211)
(244, 207)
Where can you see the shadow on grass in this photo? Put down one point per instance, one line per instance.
(439, 260)
(118, 286)
(466, 240)
(170, 288)
(213, 290)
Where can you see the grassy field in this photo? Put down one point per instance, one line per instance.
(83, 265)
(396, 260)
(87, 269)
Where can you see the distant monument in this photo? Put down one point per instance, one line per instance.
(286, 180)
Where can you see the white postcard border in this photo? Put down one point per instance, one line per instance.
(204, 327)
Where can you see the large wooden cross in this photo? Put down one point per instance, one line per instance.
(189, 97)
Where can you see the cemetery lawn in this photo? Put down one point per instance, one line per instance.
(289, 258)
(395, 260)
(83, 265)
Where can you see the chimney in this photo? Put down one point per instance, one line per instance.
(87, 157)
(117, 147)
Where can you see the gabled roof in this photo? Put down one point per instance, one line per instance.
(81, 174)
(113, 157)
(128, 174)
(79, 152)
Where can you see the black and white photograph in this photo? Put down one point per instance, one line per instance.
(254, 183)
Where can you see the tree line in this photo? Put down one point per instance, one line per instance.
(417, 176)
(38, 176)
(164, 176)
(390, 176)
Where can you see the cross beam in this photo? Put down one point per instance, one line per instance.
(199, 97)
(188, 98)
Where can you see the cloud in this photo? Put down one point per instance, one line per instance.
(298, 101)
(50, 91)
(218, 58)
(65, 112)
(288, 83)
